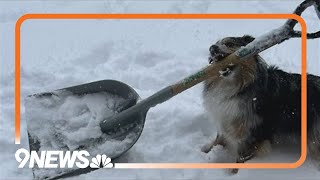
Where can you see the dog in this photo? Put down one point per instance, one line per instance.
(251, 103)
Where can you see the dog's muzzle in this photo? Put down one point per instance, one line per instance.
(216, 54)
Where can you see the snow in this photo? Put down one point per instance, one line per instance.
(72, 123)
(147, 55)
(73, 119)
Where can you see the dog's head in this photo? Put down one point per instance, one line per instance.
(234, 77)
(227, 46)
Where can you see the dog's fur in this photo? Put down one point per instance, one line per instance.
(252, 102)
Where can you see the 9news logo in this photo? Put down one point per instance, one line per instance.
(61, 159)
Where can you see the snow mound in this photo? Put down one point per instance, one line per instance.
(67, 122)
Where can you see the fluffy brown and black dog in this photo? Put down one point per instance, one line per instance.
(252, 103)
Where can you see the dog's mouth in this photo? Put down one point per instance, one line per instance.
(227, 71)
(217, 57)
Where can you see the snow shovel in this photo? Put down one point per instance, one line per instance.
(129, 121)
(126, 124)
(131, 113)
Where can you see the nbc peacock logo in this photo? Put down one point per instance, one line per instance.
(101, 161)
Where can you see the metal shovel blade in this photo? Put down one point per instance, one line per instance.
(125, 137)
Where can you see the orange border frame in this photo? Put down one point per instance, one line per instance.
(178, 16)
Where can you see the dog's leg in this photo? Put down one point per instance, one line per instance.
(219, 140)
(247, 152)
(240, 160)
(314, 150)
(314, 143)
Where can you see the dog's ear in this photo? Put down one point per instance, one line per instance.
(246, 39)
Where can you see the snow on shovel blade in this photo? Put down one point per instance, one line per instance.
(68, 120)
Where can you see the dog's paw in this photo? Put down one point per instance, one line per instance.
(233, 171)
(206, 148)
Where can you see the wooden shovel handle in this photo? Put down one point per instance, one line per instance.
(125, 117)
(265, 41)
(205, 73)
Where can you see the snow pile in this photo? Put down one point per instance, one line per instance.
(66, 122)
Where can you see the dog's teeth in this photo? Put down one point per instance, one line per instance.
(225, 72)
(221, 73)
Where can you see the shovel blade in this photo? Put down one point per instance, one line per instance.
(63, 129)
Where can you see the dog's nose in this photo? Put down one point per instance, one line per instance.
(214, 49)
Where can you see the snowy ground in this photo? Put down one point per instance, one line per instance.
(147, 55)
